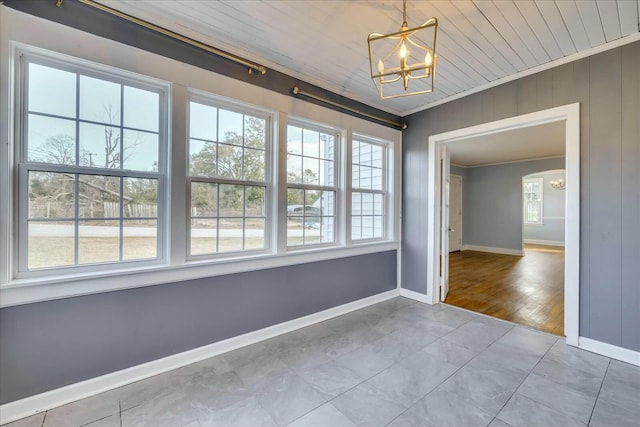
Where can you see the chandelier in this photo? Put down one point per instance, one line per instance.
(404, 57)
(559, 184)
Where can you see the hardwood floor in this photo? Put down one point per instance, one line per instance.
(527, 290)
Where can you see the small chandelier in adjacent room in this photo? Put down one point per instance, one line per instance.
(559, 184)
(404, 63)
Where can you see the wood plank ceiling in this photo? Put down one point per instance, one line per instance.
(324, 41)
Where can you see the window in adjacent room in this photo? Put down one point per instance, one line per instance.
(532, 192)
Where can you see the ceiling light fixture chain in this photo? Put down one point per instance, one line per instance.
(405, 57)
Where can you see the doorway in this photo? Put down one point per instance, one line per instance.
(569, 116)
(455, 213)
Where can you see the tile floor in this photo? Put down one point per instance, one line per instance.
(397, 363)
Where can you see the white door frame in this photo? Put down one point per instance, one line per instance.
(570, 114)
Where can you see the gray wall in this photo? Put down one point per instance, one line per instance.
(492, 202)
(607, 85)
(51, 344)
(553, 217)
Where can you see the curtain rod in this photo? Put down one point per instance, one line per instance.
(296, 91)
(251, 65)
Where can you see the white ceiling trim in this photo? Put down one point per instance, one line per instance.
(555, 63)
(508, 162)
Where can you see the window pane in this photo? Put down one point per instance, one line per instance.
(356, 228)
(367, 204)
(202, 121)
(99, 100)
(231, 201)
(327, 173)
(311, 143)
(356, 203)
(51, 195)
(327, 146)
(229, 163)
(378, 204)
(367, 227)
(98, 241)
(378, 226)
(141, 109)
(376, 156)
(295, 202)
(365, 177)
(311, 167)
(254, 164)
(99, 196)
(254, 132)
(376, 179)
(294, 140)
(204, 236)
(100, 146)
(204, 199)
(51, 140)
(141, 151)
(255, 202)
(294, 169)
(52, 91)
(231, 231)
(327, 230)
(355, 176)
(365, 154)
(51, 244)
(230, 127)
(254, 234)
(202, 158)
(140, 198)
(329, 203)
(139, 239)
(294, 231)
(312, 199)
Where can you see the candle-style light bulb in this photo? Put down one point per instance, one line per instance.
(428, 58)
(403, 51)
(380, 66)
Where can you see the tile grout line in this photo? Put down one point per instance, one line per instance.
(525, 379)
(595, 402)
(378, 373)
(456, 371)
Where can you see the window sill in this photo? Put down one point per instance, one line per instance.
(31, 290)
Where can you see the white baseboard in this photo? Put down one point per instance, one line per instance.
(502, 251)
(544, 242)
(417, 296)
(34, 404)
(612, 351)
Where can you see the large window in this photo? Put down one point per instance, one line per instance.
(532, 196)
(368, 190)
(311, 185)
(92, 167)
(228, 177)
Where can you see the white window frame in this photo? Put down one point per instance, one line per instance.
(24, 166)
(338, 187)
(386, 208)
(540, 182)
(175, 267)
(269, 185)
